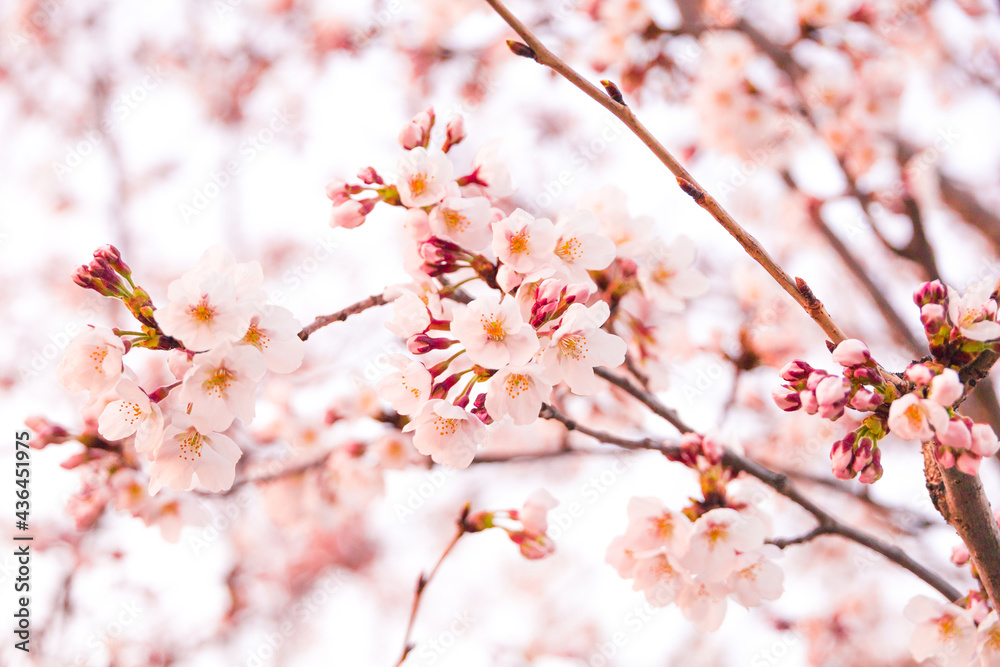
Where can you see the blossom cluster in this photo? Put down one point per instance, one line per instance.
(699, 566)
(222, 335)
(860, 387)
(530, 536)
(542, 320)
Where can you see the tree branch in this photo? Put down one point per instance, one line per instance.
(341, 315)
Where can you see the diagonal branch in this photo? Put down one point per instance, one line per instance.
(341, 315)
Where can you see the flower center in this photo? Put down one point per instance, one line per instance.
(663, 527)
(516, 384)
(455, 221)
(445, 427)
(418, 184)
(218, 382)
(947, 627)
(716, 533)
(519, 243)
(256, 337)
(202, 311)
(493, 328)
(570, 249)
(573, 346)
(98, 356)
(191, 445)
(914, 416)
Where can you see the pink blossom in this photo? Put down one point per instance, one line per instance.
(654, 527)
(831, 396)
(189, 457)
(525, 244)
(407, 389)
(447, 433)
(536, 508)
(915, 418)
(919, 374)
(943, 630)
(491, 171)
(132, 413)
(631, 236)
(518, 391)
(786, 399)
(955, 435)
(464, 221)
(756, 577)
(417, 224)
(946, 388)
(93, 361)
(620, 558)
(717, 537)
(851, 352)
(578, 345)
(668, 280)
(424, 176)
(275, 334)
(660, 577)
(349, 214)
(493, 332)
(221, 386)
(974, 313)
(988, 641)
(704, 604)
(984, 440)
(580, 248)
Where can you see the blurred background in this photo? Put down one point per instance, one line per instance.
(857, 140)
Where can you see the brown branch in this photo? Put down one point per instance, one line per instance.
(685, 180)
(827, 524)
(971, 517)
(425, 579)
(341, 315)
(646, 398)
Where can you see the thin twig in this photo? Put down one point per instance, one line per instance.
(425, 579)
(341, 315)
(684, 179)
(827, 524)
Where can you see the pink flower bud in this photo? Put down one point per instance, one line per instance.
(454, 132)
(713, 450)
(369, 176)
(944, 456)
(852, 352)
(787, 400)
(336, 191)
(984, 440)
(919, 374)
(866, 400)
(863, 454)
(932, 317)
(347, 215)
(795, 371)
(968, 463)
(832, 390)
(960, 555)
(873, 471)
(815, 378)
(425, 120)
(577, 293)
(842, 455)
(417, 224)
(410, 136)
(956, 435)
(932, 292)
(809, 402)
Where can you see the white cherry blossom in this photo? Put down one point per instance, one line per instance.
(93, 361)
(493, 332)
(132, 413)
(525, 244)
(408, 388)
(915, 418)
(716, 538)
(190, 457)
(668, 279)
(221, 385)
(275, 334)
(652, 527)
(578, 345)
(424, 176)
(974, 313)
(756, 577)
(518, 391)
(944, 630)
(463, 221)
(580, 248)
(450, 435)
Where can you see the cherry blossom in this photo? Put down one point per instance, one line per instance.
(653, 527)
(669, 280)
(988, 641)
(493, 332)
(408, 388)
(518, 391)
(132, 413)
(524, 244)
(716, 539)
(221, 386)
(493, 173)
(851, 352)
(704, 604)
(424, 176)
(580, 248)
(190, 457)
(578, 345)
(275, 334)
(660, 578)
(465, 221)
(631, 236)
(756, 577)
(447, 433)
(943, 630)
(93, 361)
(974, 313)
(915, 418)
